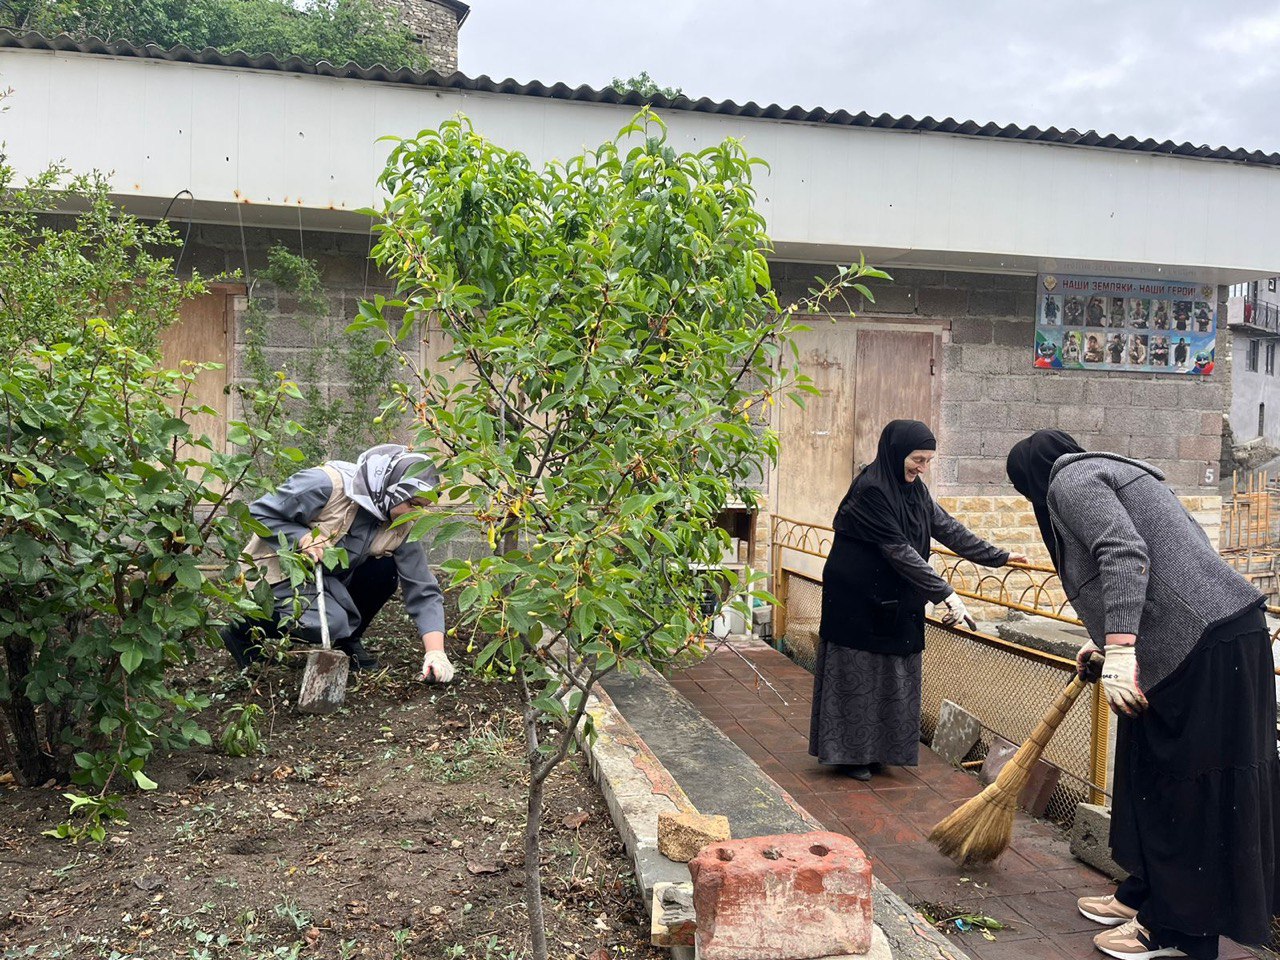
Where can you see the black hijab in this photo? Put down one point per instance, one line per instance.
(1030, 467)
(881, 507)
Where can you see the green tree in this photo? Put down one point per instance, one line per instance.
(617, 345)
(333, 30)
(646, 86)
(119, 529)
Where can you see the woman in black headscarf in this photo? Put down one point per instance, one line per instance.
(1195, 816)
(877, 579)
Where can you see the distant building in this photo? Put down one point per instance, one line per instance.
(435, 23)
(1253, 318)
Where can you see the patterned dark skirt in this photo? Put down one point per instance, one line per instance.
(866, 707)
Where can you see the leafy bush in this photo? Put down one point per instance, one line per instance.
(119, 529)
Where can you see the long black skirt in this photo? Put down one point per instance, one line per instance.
(866, 707)
(1196, 808)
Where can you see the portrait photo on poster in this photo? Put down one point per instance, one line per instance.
(1119, 324)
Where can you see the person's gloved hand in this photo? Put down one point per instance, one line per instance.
(956, 614)
(1082, 659)
(436, 667)
(1120, 680)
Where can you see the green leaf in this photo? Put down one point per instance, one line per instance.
(131, 658)
(143, 781)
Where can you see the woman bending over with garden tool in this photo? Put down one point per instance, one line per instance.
(351, 506)
(1195, 816)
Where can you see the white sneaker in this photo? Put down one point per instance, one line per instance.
(1132, 941)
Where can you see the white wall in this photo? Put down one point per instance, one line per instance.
(276, 148)
(1248, 389)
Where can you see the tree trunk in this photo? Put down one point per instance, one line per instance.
(34, 765)
(532, 828)
(533, 872)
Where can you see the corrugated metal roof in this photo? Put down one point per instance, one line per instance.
(561, 91)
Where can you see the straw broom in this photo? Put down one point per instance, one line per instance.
(980, 831)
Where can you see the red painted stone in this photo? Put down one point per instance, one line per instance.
(786, 897)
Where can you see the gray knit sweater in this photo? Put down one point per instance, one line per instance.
(1134, 561)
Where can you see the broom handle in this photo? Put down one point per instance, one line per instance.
(324, 617)
(1027, 754)
(1046, 728)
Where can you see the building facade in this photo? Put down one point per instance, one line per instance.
(435, 23)
(1253, 311)
(981, 227)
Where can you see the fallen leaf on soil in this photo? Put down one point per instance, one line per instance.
(282, 773)
(436, 911)
(601, 954)
(6, 777)
(574, 820)
(479, 867)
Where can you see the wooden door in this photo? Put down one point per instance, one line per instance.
(894, 382)
(201, 335)
(868, 376)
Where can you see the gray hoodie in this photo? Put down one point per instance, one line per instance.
(1134, 561)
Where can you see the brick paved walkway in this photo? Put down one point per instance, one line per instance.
(1033, 887)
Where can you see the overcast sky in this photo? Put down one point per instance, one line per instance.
(1194, 70)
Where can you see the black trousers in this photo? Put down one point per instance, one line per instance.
(371, 585)
(1134, 893)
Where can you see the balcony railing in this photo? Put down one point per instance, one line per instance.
(1249, 312)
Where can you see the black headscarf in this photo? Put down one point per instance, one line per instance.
(1030, 467)
(881, 507)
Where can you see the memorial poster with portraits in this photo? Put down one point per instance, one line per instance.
(1142, 326)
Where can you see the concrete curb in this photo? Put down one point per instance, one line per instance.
(636, 786)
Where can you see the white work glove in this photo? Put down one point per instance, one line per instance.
(956, 614)
(436, 667)
(1083, 655)
(1120, 680)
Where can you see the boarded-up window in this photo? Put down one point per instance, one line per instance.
(201, 335)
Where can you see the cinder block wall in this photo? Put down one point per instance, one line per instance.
(991, 397)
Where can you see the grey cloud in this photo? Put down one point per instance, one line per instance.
(1192, 70)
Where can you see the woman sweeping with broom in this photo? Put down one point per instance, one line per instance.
(866, 685)
(1195, 818)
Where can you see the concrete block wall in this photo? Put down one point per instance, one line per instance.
(990, 397)
(1008, 520)
(342, 260)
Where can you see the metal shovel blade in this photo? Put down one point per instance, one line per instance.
(324, 682)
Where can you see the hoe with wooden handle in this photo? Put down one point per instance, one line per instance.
(324, 682)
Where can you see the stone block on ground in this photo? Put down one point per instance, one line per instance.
(956, 734)
(682, 835)
(782, 897)
(672, 922)
(1091, 839)
(1043, 781)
